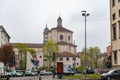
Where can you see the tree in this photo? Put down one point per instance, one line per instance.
(50, 47)
(95, 54)
(6, 54)
(92, 56)
(22, 48)
(32, 51)
(83, 55)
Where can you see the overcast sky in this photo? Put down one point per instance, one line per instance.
(25, 20)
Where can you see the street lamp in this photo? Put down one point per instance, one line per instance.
(85, 14)
(53, 65)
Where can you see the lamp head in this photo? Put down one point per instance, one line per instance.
(83, 11)
(83, 14)
(88, 14)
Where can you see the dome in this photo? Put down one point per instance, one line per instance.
(46, 28)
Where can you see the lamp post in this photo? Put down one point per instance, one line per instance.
(53, 65)
(85, 14)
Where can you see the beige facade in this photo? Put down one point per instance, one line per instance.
(29, 64)
(64, 39)
(115, 31)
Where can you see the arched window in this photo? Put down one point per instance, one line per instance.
(61, 37)
(69, 37)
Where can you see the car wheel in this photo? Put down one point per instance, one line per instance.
(15, 75)
(108, 78)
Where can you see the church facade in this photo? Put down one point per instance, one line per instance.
(64, 39)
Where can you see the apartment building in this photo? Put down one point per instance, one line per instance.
(4, 37)
(108, 56)
(115, 31)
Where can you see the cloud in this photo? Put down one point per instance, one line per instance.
(25, 20)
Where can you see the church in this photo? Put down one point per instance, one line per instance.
(64, 40)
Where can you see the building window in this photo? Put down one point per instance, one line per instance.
(114, 16)
(67, 58)
(119, 12)
(46, 36)
(119, 28)
(69, 37)
(114, 32)
(61, 58)
(61, 37)
(115, 57)
(113, 3)
(74, 58)
(40, 56)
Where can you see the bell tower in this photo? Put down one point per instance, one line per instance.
(45, 34)
(59, 22)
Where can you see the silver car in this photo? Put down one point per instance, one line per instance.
(31, 73)
(44, 72)
(15, 73)
(112, 74)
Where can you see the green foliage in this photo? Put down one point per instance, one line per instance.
(23, 49)
(21, 46)
(49, 48)
(32, 51)
(81, 76)
(92, 55)
(80, 68)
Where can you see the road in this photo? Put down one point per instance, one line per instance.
(36, 78)
(32, 78)
(43, 78)
(25, 78)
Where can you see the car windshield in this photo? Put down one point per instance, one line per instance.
(110, 71)
(18, 71)
(34, 71)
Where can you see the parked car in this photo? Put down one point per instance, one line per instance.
(44, 72)
(27, 73)
(89, 71)
(112, 74)
(34, 73)
(9, 73)
(31, 73)
(15, 73)
(4, 74)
